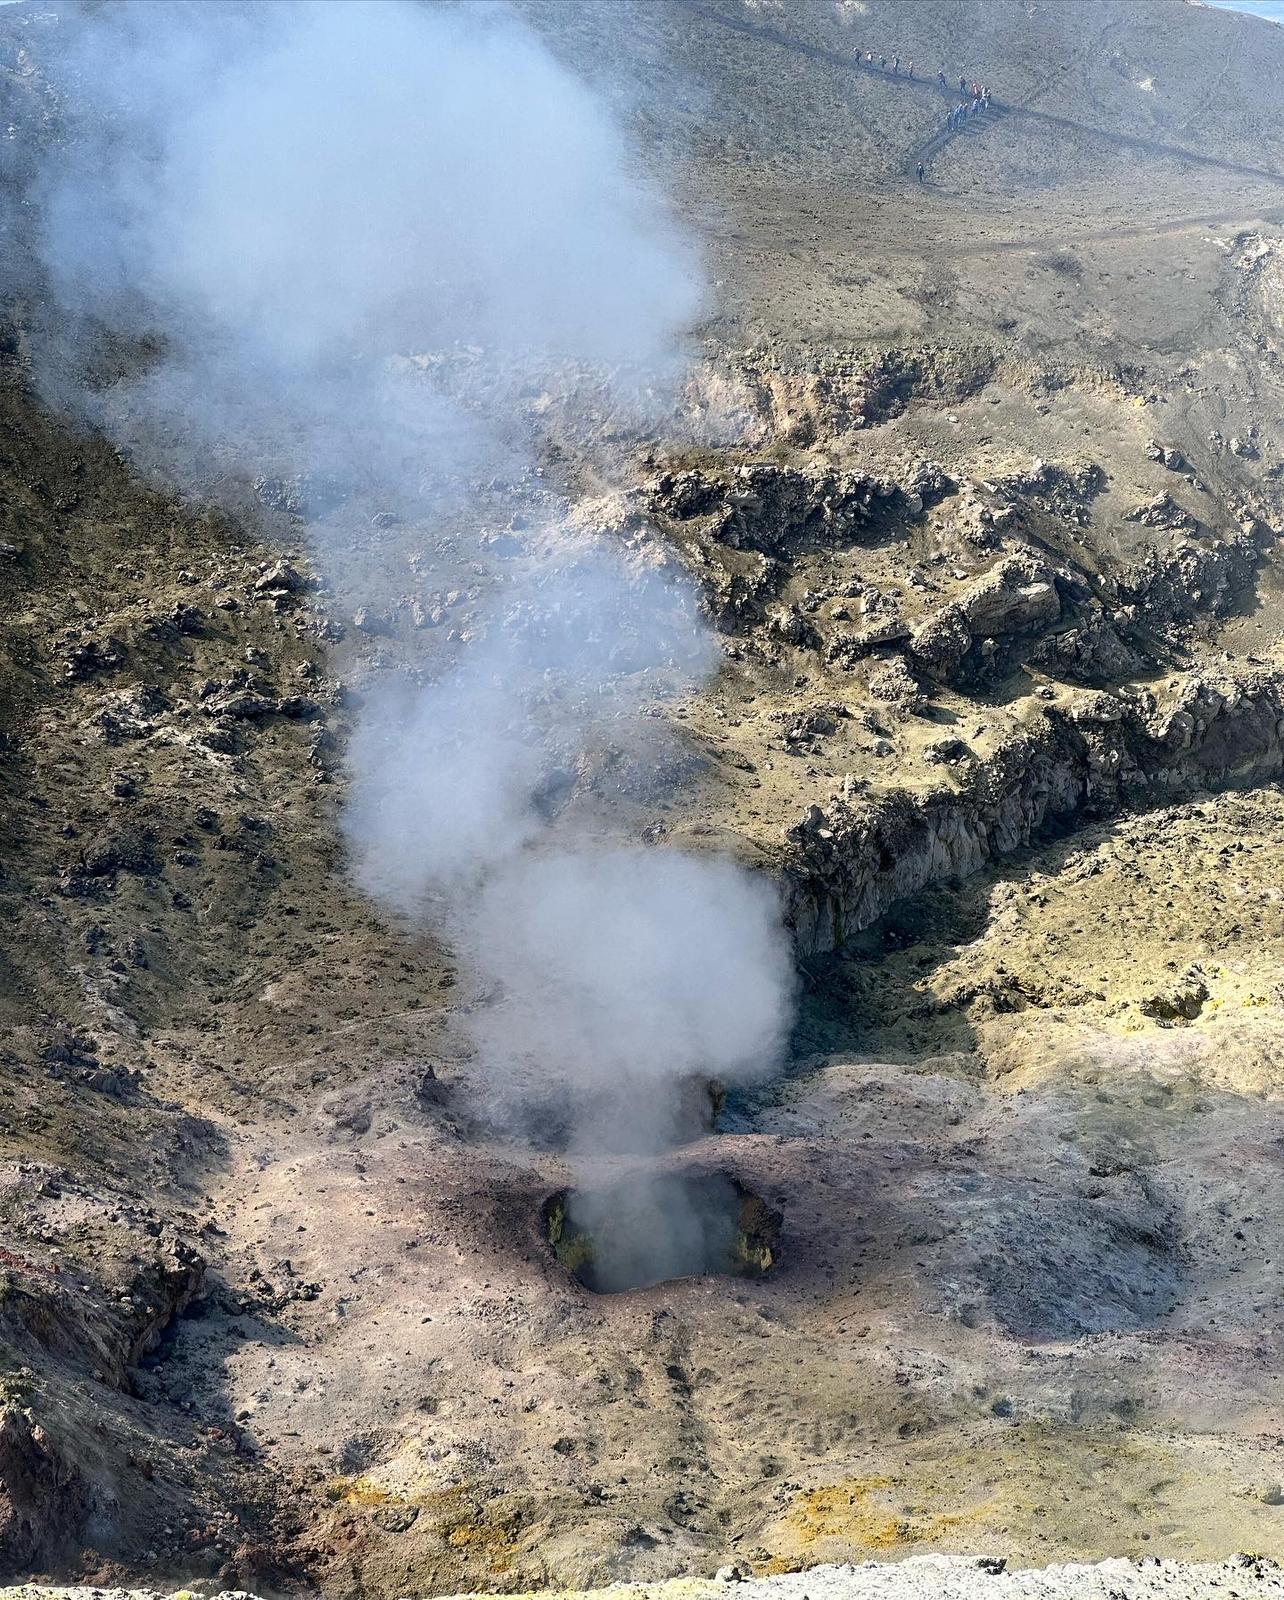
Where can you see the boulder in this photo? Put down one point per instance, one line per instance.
(1019, 595)
(940, 642)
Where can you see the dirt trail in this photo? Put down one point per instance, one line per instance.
(1198, 222)
(1000, 115)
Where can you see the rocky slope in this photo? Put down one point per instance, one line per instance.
(980, 484)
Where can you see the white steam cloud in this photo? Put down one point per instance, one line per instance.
(643, 972)
(450, 778)
(351, 232)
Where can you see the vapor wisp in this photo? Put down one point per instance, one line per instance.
(310, 211)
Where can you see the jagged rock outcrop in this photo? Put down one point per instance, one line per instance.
(1190, 581)
(1094, 654)
(41, 1493)
(761, 396)
(1019, 594)
(1105, 754)
(1164, 512)
(781, 510)
(1064, 490)
(75, 1320)
(42, 1313)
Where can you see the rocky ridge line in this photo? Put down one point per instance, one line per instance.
(1100, 756)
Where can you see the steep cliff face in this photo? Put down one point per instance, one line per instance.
(1101, 756)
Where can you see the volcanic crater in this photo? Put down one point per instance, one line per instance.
(320, 1268)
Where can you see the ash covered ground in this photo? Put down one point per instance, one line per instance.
(977, 481)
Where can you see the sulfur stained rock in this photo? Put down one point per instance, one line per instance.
(1181, 1001)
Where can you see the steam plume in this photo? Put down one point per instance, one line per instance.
(358, 229)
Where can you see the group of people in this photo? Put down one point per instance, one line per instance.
(975, 96)
(979, 101)
(867, 58)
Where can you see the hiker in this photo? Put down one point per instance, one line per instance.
(882, 63)
(896, 65)
(962, 84)
(940, 78)
(909, 70)
(920, 170)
